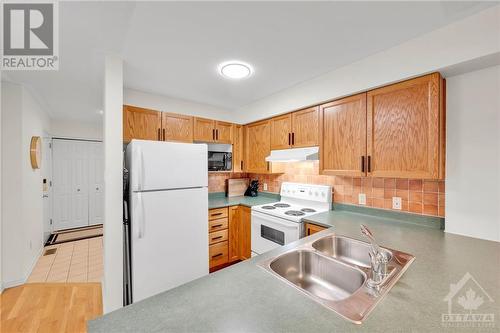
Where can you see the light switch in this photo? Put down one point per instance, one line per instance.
(265, 186)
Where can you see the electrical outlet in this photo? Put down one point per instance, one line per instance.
(396, 203)
(362, 199)
(265, 186)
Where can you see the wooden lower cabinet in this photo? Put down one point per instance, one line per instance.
(218, 254)
(310, 229)
(245, 233)
(234, 232)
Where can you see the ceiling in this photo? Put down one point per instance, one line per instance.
(173, 48)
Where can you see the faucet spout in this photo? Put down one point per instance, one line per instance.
(378, 261)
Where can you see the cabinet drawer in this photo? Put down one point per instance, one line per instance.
(217, 225)
(217, 213)
(217, 254)
(217, 237)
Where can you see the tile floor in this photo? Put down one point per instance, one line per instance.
(78, 261)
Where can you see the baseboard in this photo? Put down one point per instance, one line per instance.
(15, 283)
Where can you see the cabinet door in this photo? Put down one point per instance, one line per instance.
(204, 130)
(177, 127)
(234, 233)
(305, 127)
(257, 147)
(224, 132)
(281, 132)
(245, 233)
(343, 136)
(311, 229)
(139, 123)
(404, 129)
(237, 148)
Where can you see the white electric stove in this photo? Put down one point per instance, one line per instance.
(279, 223)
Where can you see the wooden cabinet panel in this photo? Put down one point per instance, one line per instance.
(257, 147)
(404, 125)
(234, 233)
(204, 129)
(177, 127)
(245, 233)
(305, 127)
(312, 229)
(281, 132)
(224, 132)
(139, 123)
(217, 237)
(343, 137)
(218, 254)
(237, 148)
(217, 213)
(217, 225)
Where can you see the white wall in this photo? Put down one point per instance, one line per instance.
(76, 129)
(471, 38)
(175, 105)
(473, 154)
(113, 179)
(22, 213)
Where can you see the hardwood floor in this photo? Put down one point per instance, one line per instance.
(50, 307)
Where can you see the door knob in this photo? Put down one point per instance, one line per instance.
(97, 188)
(78, 190)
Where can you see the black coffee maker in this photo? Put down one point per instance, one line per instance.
(253, 189)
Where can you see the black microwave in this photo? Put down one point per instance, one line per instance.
(219, 161)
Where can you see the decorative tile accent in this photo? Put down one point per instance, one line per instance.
(418, 196)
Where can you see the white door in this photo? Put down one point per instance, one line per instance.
(96, 183)
(62, 183)
(46, 171)
(169, 241)
(80, 183)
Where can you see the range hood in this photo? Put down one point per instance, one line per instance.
(294, 155)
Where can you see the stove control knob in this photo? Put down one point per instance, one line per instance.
(316, 193)
(310, 193)
(323, 194)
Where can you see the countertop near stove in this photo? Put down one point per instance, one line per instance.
(218, 200)
(245, 298)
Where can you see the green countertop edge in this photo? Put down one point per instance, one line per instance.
(420, 220)
(219, 200)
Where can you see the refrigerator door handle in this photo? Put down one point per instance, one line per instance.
(140, 215)
(140, 182)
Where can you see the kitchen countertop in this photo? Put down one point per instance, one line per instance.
(245, 298)
(218, 200)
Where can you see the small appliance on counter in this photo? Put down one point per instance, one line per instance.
(253, 189)
(236, 187)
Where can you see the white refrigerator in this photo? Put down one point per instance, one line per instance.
(168, 204)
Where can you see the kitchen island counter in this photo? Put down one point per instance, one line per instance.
(246, 298)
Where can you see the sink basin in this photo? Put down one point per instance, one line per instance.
(327, 279)
(334, 271)
(347, 250)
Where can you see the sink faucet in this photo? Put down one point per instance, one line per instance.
(377, 259)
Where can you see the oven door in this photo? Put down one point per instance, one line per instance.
(270, 232)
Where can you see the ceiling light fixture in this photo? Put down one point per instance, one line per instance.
(235, 70)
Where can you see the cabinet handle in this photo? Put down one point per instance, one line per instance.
(163, 134)
(216, 255)
(308, 231)
(217, 134)
(241, 163)
(218, 237)
(362, 164)
(267, 166)
(159, 138)
(289, 139)
(369, 163)
(216, 226)
(216, 214)
(293, 138)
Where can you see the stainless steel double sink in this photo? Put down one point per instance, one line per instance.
(334, 270)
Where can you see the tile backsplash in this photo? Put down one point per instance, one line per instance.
(424, 197)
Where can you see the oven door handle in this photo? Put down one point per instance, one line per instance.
(276, 220)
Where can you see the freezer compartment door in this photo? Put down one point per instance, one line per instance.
(169, 239)
(156, 165)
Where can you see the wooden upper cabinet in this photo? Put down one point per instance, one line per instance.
(237, 148)
(296, 129)
(224, 132)
(257, 146)
(177, 127)
(204, 129)
(343, 136)
(405, 129)
(305, 127)
(281, 132)
(140, 123)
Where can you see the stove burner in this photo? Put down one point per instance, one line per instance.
(294, 213)
(281, 205)
(307, 210)
(268, 207)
